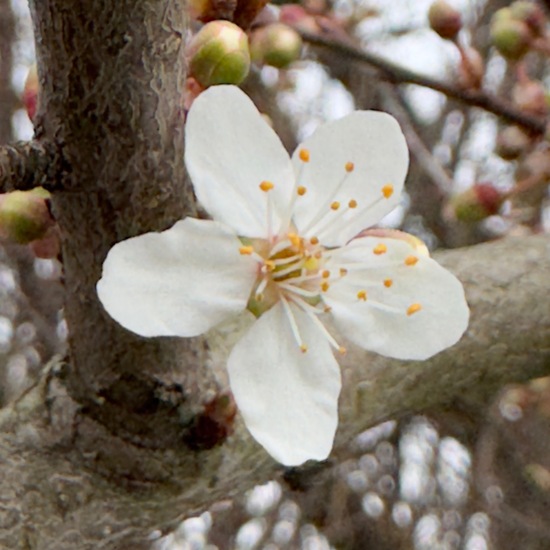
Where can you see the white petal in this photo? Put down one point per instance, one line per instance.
(230, 150)
(374, 143)
(288, 399)
(180, 282)
(381, 323)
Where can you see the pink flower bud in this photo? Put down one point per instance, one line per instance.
(530, 96)
(219, 54)
(30, 92)
(24, 216)
(444, 19)
(277, 45)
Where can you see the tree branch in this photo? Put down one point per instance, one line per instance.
(396, 74)
(53, 492)
(30, 164)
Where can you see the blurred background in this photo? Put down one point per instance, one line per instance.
(471, 96)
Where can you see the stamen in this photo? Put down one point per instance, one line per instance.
(303, 348)
(279, 247)
(293, 324)
(413, 308)
(246, 250)
(362, 295)
(352, 203)
(304, 155)
(343, 271)
(335, 205)
(325, 274)
(284, 261)
(268, 266)
(301, 190)
(266, 186)
(388, 283)
(298, 290)
(314, 241)
(325, 286)
(380, 249)
(288, 270)
(327, 309)
(342, 350)
(387, 190)
(350, 166)
(411, 260)
(261, 288)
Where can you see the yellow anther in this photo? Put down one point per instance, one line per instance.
(325, 274)
(295, 240)
(303, 348)
(387, 190)
(380, 249)
(342, 350)
(335, 205)
(413, 308)
(269, 265)
(318, 255)
(327, 309)
(266, 186)
(350, 166)
(343, 271)
(325, 286)
(388, 283)
(362, 295)
(411, 260)
(304, 155)
(352, 203)
(314, 240)
(301, 190)
(246, 250)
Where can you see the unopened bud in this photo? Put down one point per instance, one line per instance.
(530, 14)
(24, 216)
(30, 92)
(277, 45)
(444, 19)
(49, 246)
(219, 54)
(530, 96)
(512, 142)
(477, 203)
(511, 37)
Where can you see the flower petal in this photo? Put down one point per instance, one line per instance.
(288, 399)
(180, 282)
(230, 151)
(362, 157)
(414, 308)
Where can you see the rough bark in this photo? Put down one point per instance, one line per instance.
(57, 493)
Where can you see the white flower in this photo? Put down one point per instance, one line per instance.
(282, 243)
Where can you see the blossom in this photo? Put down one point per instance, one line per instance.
(285, 242)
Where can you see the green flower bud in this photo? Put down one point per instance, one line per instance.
(512, 38)
(444, 19)
(477, 203)
(24, 216)
(530, 14)
(277, 45)
(219, 54)
(512, 142)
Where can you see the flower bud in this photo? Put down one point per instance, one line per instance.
(277, 45)
(530, 96)
(219, 54)
(30, 92)
(510, 37)
(477, 203)
(512, 142)
(530, 14)
(49, 246)
(24, 216)
(444, 19)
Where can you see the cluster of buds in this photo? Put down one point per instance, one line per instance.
(221, 51)
(516, 29)
(477, 203)
(25, 218)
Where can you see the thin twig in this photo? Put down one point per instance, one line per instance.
(394, 73)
